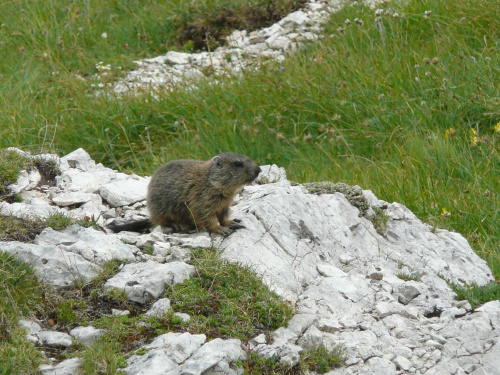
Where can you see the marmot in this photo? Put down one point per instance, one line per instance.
(198, 194)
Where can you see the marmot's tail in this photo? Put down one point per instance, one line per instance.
(122, 224)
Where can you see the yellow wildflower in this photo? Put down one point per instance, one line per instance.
(449, 133)
(445, 212)
(496, 128)
(473, 141)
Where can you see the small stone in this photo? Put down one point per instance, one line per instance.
(117, 312)
(174, 58)
(258, 340)
(402, 363)
(433, 344)
(144, 281)
(66, 367)
(311, 339)
(122, 193)
(185, 317)
(346, 258)
(68, 199)
(79, 159)
(55, 339)
(329, 325)
(86, 335)
(32, 328)
(384, 309)
(407, 293)
(159, 308)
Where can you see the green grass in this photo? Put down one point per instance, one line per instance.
(320, 361)
(10, 165)
(21, 294)
(477, 295)
(226, 300)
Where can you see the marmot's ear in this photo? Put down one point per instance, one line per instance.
(217, 161)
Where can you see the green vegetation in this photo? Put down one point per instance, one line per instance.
(21, 294)
(477, 295)
(103, 358)
(226, 300)
(10, 165)
(405, 104)
(58, 221)
(24, 230)
(406, 276)
(320, 361)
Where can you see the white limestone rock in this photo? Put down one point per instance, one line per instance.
(75, 180)
(25, 181)
(72, 198)
(297, 18)
(312, 339)
(79, 159)
(93, 245)
(86, 335)
(30, 208)
(280, 42)
(125, 192)
(159, 308)
(144, 281)
(56, 267)
(55, 339)
(66, 367)
(32, 329)
(271, 174)
(185, 317)
(164, 354)
(318, 252)
(174, 58)
(238, 39)
(216, 356)
(408, 293)
(194, 240)
(171, 253)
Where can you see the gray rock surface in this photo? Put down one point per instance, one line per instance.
(125, 192)
(93, 245)
(55, 266)
(86, 335)
(66, 367)
(348, 283)
(213, 357)
(55, 339)
(32, 329)
(164, 354)
(159, 308)
(144, 281)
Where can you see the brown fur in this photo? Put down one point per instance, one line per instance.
(198, 194)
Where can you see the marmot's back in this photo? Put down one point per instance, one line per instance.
(198, 194)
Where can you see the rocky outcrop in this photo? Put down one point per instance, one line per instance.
(244, 50)
(382, 296)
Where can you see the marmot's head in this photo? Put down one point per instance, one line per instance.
(230, 171)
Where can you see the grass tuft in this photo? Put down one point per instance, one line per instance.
(23, 230)
(318, 361)
(477, 295)
(226, 300)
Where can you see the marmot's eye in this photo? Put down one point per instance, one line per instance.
(238, 164)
